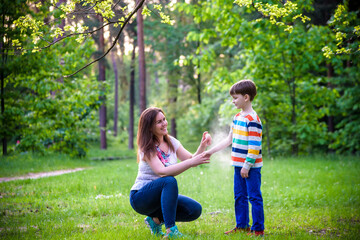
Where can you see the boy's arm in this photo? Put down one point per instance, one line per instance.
(254, 146)
(223, 144)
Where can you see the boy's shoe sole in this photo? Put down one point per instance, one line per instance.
(256, 233)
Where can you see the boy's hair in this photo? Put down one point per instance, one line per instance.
(244, 87)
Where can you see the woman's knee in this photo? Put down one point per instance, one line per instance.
(197, 210)
(170, 180)
(194, 212)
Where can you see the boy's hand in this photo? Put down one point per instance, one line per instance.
(206, 139)
(207, 154)
(244, 173)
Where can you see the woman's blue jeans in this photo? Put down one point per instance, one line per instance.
(245, 190)
(160, 199)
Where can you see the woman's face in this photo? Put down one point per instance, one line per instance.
(160, 126)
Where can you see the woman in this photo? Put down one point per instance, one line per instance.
(155, 192)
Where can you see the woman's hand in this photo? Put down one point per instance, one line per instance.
(200, 159)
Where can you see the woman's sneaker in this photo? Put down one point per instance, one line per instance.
(154, 228)
(174, 233)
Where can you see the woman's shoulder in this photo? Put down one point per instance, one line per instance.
(176, 143)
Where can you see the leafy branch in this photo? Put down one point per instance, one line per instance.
(275, 11)
(139, 5)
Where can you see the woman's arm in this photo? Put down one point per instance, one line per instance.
(184, 154)
(178, 168)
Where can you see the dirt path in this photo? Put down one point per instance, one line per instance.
(41, 174)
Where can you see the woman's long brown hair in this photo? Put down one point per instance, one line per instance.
(146, 140)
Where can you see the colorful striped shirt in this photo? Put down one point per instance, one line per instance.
(246, 142)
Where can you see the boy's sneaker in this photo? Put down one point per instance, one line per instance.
(237, 230)
(154, 228)
(174, 233)
(256, 233)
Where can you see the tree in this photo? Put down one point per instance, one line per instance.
(132, 99)
(102, 78)
(133, 34)
(9, 13)
(142, 64)
(116, 89)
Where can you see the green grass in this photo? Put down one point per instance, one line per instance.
(17, 165)
(305, 198)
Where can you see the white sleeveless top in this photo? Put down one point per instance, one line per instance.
(146, 174)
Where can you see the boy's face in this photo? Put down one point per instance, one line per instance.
(238, 100)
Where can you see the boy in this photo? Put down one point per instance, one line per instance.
(245, 136)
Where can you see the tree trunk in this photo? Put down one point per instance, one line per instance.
(330, 74)
(330, 118)
(295, 145)
(132, 99)
(122, 74)
(116, 104)
(290, 81)
(199, 88)
(173, 127)
(4, 140)
(61, 60)
(2, 76)
(156, 75)
(142, 66)
(102, 113)
(173, 87)
(267, 134)
(198, 83)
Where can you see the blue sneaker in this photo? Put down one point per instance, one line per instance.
(174, 233)
(154, 228)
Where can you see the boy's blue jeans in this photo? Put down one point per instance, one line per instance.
(245, 190)
(160, 199)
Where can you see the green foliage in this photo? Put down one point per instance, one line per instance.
(347, 82)
(346, 79)
(42, 34)
(198, 118)
(209, 46)
(178, 85)
(346, 32)
(48, 111)
(294, 92)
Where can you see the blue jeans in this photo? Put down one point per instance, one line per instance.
(245, 190)
(160, 199)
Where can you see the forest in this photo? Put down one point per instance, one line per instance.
(79, 72)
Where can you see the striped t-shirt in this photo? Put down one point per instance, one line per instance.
(246, 142)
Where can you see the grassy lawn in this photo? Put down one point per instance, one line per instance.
(304, 197)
